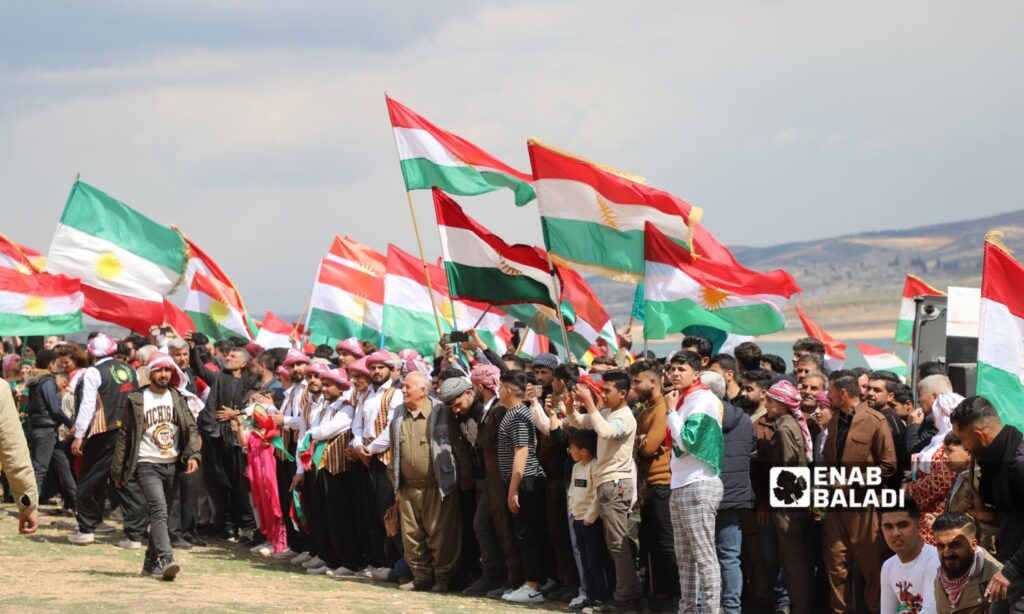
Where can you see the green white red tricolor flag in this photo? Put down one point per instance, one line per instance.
(481, 266)
(681, 290)
(879, 359)
(199, 262)
(431, 157)
(126, 262)
(408, 311)
(835, 352)
(39, 304)
(353, 254)
(532, 344)
(347, 301)
(274, 332)
(20, 258)
(593, 218)
(1001, 333)
(210, 305)
(911, 288)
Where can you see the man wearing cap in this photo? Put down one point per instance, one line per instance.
(791, 447)
(428, 457)
(349, 350)
(157, 439)
(105, 389)
(223, 459)
(372, 417)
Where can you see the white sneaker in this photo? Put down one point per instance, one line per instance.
(525, 594)
(287, 554)
(81, 539)
(264, 550)
(550, 584)
(507, 596)
(578, 601)
(128, 544)
(340, 572)
(313, 563)
(302, 558)
(381, 574)
(318, 571)
(103, 528)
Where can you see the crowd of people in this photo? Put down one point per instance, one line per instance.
(637, 483)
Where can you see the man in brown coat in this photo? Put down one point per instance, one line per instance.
(858, 436)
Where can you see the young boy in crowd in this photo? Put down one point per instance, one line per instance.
(586, 522)
(963, 493)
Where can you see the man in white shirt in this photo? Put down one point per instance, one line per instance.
(908, 577)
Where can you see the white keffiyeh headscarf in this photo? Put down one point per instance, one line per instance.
(942, 408)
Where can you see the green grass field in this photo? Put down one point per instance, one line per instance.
(44, 573)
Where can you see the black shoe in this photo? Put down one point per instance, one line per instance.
(641, 606)
(181, 544)
(166, 570)
(148, 567)
(228, 535)
(481, 587)
(197, 542)
(611, 607)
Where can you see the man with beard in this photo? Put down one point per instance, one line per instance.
(653, 471)
(288, 418)
(182, 517)
(908, 577)
(961, 585)
(310, 408)
(45, 414)
(370, 422)
(261, 368)
(725, 365)
(881, 397)
(999, 451)
(223, 458)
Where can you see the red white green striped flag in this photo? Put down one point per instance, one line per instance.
(274, 332)
(835, 352)
(210, 305)
(586, 315)
(39, 304)
(432, 157)
(879, 359)
(681, 291)
(593, 218)
(20, 258)
(532, 344)
(911, 288)
(408, 311)
(481, 266)
(126, 262)
(198, 261)
(353, 254)
(1001, 333)
(347, 301)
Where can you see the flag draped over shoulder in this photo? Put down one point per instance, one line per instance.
(39, 304)
(681, 290)
(593, 218)
(911, 288)
(1001, 333)
(835, 352)
(126, 262)
(481, 266)
(431, 157)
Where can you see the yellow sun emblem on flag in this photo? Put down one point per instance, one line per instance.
(507, 268)
(108, 265)
(357, 308)
(607, 214)
(218, 311)
(444, 307)
(713, 298)
(35, 305)
(23, 268)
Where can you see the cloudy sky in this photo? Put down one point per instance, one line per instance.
(260, 128)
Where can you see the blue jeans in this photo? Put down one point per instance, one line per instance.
(769, 543)
(728, 542)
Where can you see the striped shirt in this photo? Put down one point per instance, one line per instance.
(515, 431)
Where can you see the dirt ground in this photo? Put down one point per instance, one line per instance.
(44, 573)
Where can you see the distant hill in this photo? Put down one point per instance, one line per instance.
(853, 282)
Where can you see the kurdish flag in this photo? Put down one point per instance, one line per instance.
(481, 266)
(408, 310)
(274, 332)
(353, 254)
(491, 326)
(593, 218)
(543, 321)
(20, 258)
(911, 288)
(432, 157)
(584, 312)
(198, 261)
(39, 304)
(681, 291)
(127, 263)
(882, 360)
(209, 305)
(1001, 334)
(532, 344)
(346, 302)
(835, 352)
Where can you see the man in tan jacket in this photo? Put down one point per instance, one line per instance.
(16, 462)
(858, 436)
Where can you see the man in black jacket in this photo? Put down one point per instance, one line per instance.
(737, 492)
(45, 415)
(223, 459)
(999, 451)
(156, 438)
